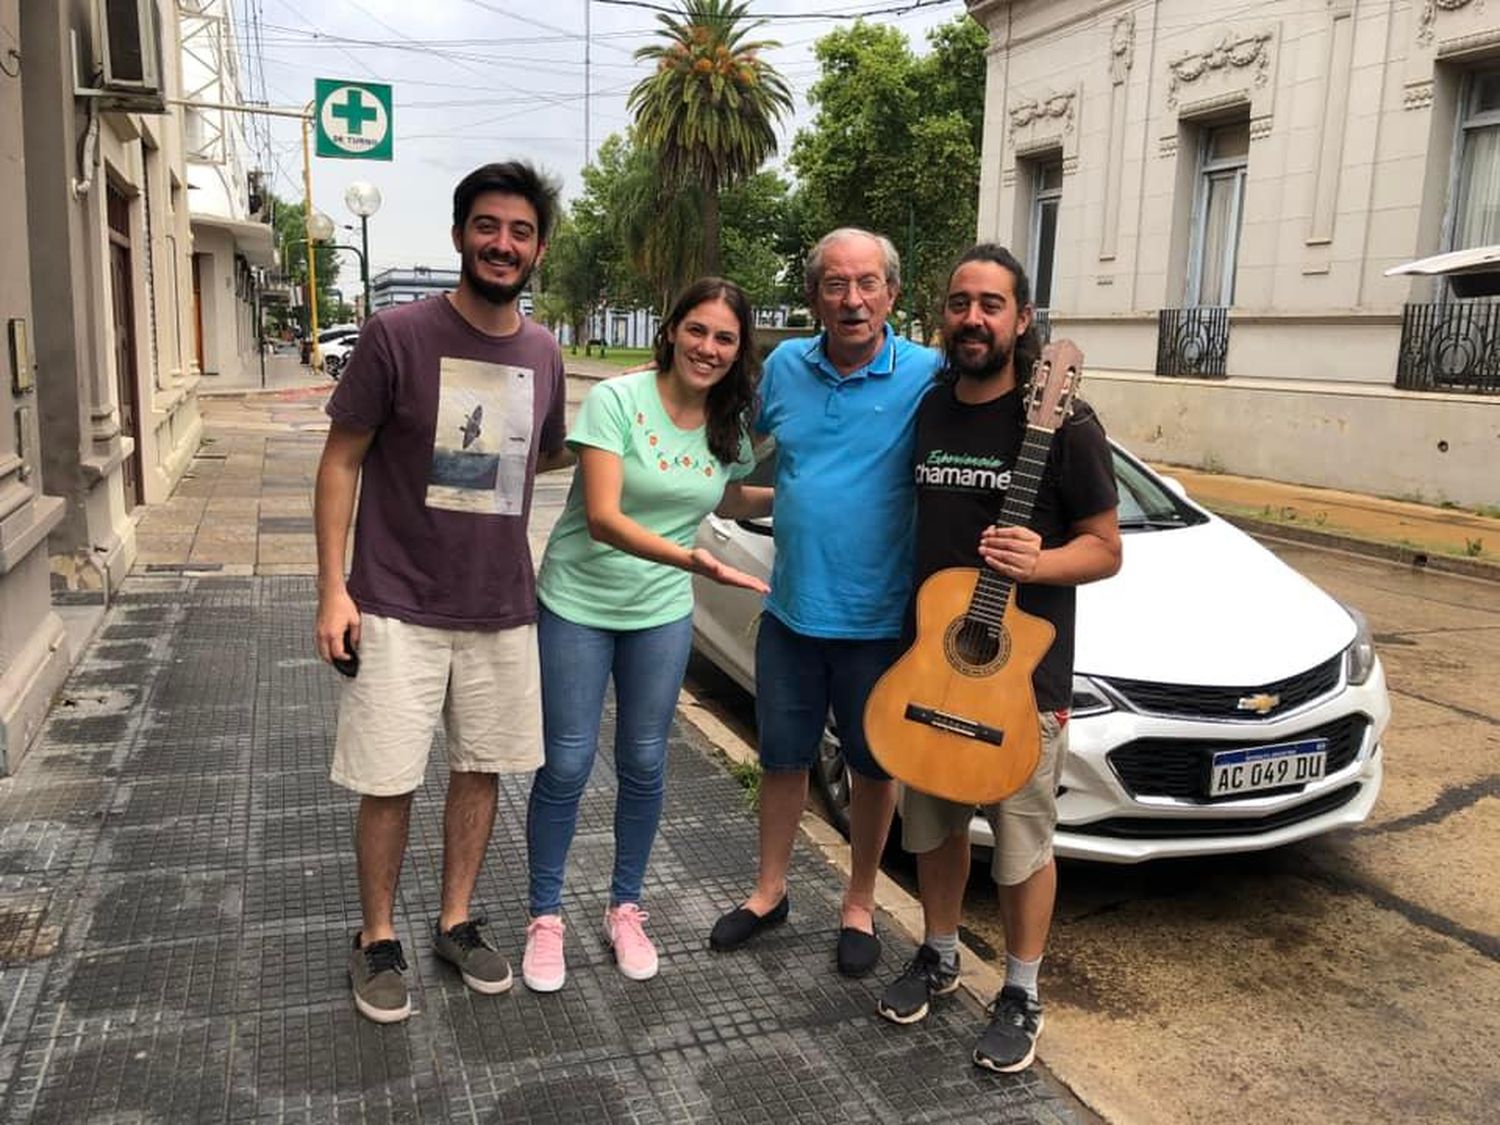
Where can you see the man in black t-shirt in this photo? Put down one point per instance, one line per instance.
(969, 432)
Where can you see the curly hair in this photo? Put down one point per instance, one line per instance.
(732, 400)
(1028, 347)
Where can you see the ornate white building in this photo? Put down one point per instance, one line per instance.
(1207, 194)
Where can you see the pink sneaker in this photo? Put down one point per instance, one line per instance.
(542, 967)
(625, 927)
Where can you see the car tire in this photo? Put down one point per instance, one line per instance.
(333, 364)
(832, 778)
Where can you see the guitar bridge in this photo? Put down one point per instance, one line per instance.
(954, 724)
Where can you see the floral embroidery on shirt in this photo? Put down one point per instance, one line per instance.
(666, 462)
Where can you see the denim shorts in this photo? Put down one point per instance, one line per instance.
(799, 679)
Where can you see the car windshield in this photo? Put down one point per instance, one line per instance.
(1146, 503)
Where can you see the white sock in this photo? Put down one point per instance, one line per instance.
(946, 946)
(1022, 974)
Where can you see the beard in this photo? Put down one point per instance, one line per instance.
(990, 363)
(491, 291)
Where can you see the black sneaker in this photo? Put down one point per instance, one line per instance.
(482, 966)
(1009, 1043)
(375, 973)
(905, 999)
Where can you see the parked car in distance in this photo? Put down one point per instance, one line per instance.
(1221, 701)
(336, 345)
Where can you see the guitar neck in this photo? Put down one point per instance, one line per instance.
(992, 593)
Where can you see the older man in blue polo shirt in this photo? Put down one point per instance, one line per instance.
(841, 407)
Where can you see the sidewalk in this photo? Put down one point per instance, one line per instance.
(179, 893)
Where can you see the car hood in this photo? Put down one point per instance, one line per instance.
(1205, 605)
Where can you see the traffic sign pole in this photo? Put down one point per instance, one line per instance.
(312, 247)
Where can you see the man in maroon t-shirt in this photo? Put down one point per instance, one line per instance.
(448, 409)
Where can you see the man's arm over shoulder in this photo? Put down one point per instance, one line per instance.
(553, 452)
(1087, 483)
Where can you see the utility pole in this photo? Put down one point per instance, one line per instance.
(316, 355)
(588, 149)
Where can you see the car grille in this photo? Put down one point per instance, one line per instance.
(1149, 827)
(1175, 767)
(1201, 702)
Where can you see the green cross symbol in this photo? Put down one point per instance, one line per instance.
(355, 113)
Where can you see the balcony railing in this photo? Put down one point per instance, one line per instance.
(1454, 346)
(1042, 318)
(1192, 341)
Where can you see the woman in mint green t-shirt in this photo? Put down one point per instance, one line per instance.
(658, 450)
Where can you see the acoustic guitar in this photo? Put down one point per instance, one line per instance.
(956, 716)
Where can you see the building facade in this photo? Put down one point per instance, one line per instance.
(233, 244)
(103, 396)
(1207, 196)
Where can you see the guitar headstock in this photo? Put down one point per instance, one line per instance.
(1054, 383)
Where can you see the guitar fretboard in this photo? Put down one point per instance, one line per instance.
(992, 592)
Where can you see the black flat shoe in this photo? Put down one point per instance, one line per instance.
(741, 924)
(858, 952)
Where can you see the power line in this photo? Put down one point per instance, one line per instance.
(893, 10)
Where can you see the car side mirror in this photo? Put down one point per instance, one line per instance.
(1176, 486)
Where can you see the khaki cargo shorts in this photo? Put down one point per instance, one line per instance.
(1023, 823)
(486, 686)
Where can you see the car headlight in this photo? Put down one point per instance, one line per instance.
(1359, 657)
(1088, 698)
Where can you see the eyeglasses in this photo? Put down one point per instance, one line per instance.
(836, 288)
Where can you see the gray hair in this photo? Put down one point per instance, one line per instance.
(812, 272)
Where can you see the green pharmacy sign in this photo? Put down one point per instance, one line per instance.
(353, 119)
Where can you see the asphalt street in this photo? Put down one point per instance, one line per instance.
(1349, 978)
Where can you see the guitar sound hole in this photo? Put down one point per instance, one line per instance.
(973, 649)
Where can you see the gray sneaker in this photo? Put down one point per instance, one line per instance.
(483, 968)
(375, 972)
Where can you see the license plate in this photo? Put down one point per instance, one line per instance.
(1267, 767)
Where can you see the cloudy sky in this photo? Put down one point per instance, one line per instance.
(480, 80)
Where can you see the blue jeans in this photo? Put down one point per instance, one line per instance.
(799, 679)
(577, 663)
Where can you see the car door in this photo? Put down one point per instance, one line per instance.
(725, 619)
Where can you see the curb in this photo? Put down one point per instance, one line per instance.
(1413, 557)
(979, 978)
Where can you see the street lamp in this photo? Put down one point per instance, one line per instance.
(363, 199)
(319, 229)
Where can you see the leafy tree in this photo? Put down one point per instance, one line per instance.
(895, 147)
(709, 112)
(571, 278)
(645, 239)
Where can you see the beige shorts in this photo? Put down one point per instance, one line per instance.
(1023, 823)
(486, 685)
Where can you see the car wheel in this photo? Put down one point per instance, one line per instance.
(832, 778)
(333, 364)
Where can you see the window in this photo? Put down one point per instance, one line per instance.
(1216, 214)
(1476, 213)
(1045, 199)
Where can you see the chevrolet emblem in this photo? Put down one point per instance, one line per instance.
(1262, 704)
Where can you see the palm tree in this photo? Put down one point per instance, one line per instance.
(711, 108)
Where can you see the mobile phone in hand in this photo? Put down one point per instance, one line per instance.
(349, 666)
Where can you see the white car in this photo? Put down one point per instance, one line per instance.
(336, 345)
(1221, 701)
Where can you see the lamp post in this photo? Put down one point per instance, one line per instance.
(319, 229)
(363, 199)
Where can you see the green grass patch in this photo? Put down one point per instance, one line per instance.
(619, 357)
(748, 775)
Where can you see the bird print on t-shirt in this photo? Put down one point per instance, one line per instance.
(473, 426)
